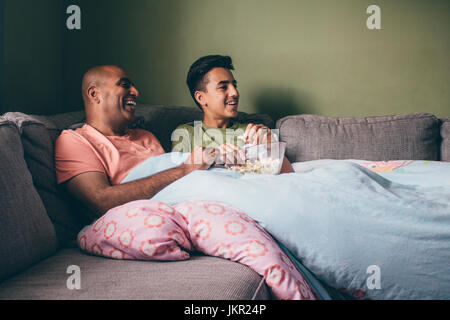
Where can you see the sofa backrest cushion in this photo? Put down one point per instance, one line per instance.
(445, 136)
(38, 135)
(26, 232)
(380, 138)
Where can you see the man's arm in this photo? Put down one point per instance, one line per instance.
(95, 190)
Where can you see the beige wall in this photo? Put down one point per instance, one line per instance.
(291, 56)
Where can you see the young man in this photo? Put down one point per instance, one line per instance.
(214, 90)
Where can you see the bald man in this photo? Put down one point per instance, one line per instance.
(91, 161)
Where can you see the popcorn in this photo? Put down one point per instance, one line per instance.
(261, 166)
(262, 159)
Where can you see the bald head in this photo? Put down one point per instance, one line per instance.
(96, 77)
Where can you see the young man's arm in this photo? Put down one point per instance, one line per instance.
(286, 166)
(95, 191)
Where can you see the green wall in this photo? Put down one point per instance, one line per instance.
(291, 56)
(32, 64)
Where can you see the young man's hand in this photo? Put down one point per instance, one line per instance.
(257, 134)
(200, 159)
(230, 154)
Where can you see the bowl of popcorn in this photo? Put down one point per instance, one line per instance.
(262, 158)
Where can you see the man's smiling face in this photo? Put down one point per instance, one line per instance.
(119, 96)
(221, 98)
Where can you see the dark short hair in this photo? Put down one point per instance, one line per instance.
(195, 77)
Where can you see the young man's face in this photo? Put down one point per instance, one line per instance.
(221, 98)
(120, 96)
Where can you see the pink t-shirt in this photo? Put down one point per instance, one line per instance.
(86, 149)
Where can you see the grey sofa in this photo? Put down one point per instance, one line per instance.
(39, 221)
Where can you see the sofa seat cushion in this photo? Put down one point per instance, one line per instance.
(199, 278)
(381, 138)
(26, 232)
(445, 143)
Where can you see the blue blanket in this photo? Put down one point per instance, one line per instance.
(378, 235)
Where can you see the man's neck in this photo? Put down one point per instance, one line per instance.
(107, 130)
(216, 123)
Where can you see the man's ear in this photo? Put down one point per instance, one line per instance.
(94, 94)
(200, 97)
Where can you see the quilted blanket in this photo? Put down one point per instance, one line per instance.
(377, 230)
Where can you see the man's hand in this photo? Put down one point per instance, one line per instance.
(200, 159)
(257, 134)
